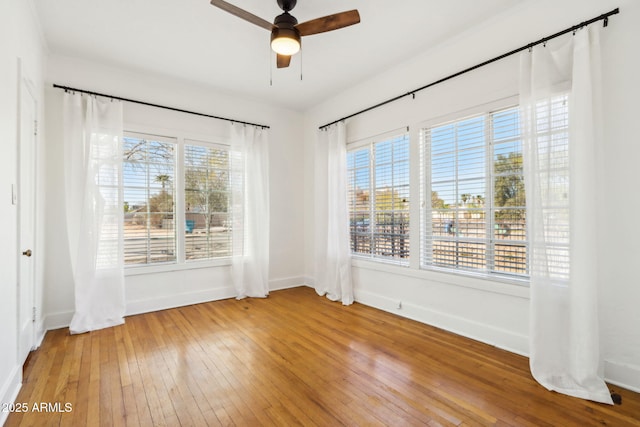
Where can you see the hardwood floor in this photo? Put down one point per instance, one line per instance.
(291, 359)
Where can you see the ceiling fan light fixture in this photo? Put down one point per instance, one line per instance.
(285, 41)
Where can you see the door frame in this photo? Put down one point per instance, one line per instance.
(26, 93)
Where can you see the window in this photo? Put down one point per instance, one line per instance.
(207, 197)
(378, 192)
(475, 212)
(149, 164)
(176, 200)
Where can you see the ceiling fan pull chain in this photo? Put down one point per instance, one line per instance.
(301, 65)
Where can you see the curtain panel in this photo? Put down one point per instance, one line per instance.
(332, 250)
(94, 213)
(250, 210)
(561, 175)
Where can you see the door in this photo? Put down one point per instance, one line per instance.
(26, 217)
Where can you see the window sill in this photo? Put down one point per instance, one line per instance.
(168, 267)
(380, 260)
(506, 286)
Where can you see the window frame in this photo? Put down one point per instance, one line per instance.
(147, 189)
(229, 192)
(485, 110)
(182, 138)
(369, 145)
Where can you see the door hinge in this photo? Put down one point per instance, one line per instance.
(34, 315)
(35, 128)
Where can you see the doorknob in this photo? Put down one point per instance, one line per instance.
(27, 252)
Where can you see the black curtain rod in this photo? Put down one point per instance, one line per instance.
(88, 92)
(604, 17)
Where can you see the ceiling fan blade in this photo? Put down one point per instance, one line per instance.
(241, 13)
(329, 23)
(283, 61)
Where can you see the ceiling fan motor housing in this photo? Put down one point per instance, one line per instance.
(285, 20)
(284, 26)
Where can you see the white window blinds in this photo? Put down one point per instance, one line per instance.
(474, 208)
(162, 174)
(207, 202)
(378, 195)
(149, 165)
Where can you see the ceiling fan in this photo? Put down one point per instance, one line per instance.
(285, 30)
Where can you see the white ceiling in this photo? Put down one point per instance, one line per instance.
(192, 40)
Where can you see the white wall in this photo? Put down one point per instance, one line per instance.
(153, 291)
(19, 39)
(495, 312)
(620, 233)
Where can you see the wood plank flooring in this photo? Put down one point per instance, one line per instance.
(292, 359)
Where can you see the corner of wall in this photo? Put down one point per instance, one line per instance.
(40, 332)
(622, 374)
(286, 283)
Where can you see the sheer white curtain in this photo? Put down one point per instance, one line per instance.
(250, 210)
(93, 201)
(332, 251)
(561, 175)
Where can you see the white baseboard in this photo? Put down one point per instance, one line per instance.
(286, 283)
(623, 375)
(57, 320)
(488, 334)
(40, 333)
(178, 300)
(9, 390)
(63, 319)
